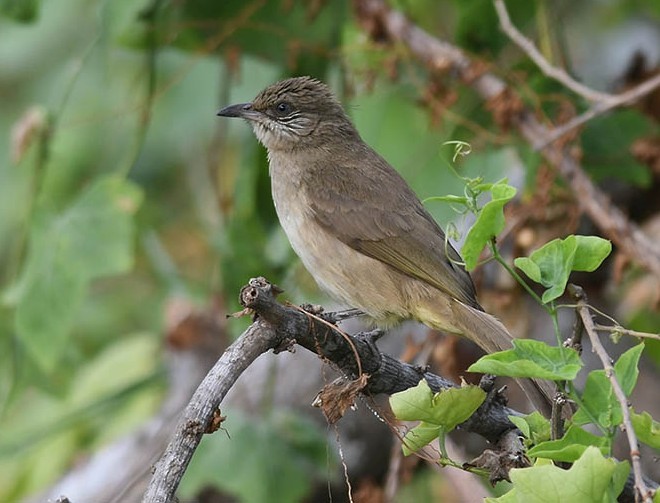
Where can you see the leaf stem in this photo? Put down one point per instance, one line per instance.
(516, 276)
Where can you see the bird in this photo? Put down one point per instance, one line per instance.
(358, 227)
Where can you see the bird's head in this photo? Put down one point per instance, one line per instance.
(294, 114)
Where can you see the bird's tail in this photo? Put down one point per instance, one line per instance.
(492, 336)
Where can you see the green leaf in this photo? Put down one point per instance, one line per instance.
(529, 267)
(590, 253)
(619, 478)
(570, 447)
(598, 402)
(420, 436)
(448, 408)
(552, 264)
(534, 426)
(453, 406)
(413, 404)
(46, 309)
(646, 429)
(522, 425)
(626, 368)
(489, 223)
(91, 238)
(592, 479)
(439, 413)
(530, 358)
(554, 261)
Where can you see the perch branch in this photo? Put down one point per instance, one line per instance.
(204, 409)
(277, 327)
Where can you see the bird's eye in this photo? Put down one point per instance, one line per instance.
(283, 108)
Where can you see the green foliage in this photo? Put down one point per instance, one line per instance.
(439, 413)
(592, 479)
(570, 447)
(599, 403)
(490, 216)
(626, 368)
(477, 27)
(133, 89)
(40, 436)
(315, 30)
(490, 222)
(25, 11)
(606, 142)
(646, 428)
(533, 426)
(259, 459)
(552, 264)
(92, 238)
(530, 358)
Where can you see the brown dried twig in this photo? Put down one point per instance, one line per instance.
(528, 47)
(602, 102)
(626, 331)
(641, 488)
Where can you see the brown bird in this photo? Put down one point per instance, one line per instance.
(357, 226)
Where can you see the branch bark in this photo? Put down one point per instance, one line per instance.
(383, 23)
(641, 489)
(202, 414)
(278, 327)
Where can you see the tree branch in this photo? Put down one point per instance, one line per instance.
(603, 101)
(202, 414)
(383, 23)
(278, 327)
(528, 47)
(641, 488)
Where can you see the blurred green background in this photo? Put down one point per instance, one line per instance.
(121, 190)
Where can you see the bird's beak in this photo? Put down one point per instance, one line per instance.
(242, 110)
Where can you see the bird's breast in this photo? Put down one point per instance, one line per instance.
(349, 276)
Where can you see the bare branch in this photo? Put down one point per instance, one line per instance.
(626, 331)
(204, 407)
(603, 102)
(641, 488)
(600, 108)
(559, 74)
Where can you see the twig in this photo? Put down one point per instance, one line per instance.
(585, 314)
(559, 74)
(343, 334)
(603, 102)
(626, 331)
(568, 126)
(438, 55)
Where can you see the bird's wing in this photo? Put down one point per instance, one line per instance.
(383, 219)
